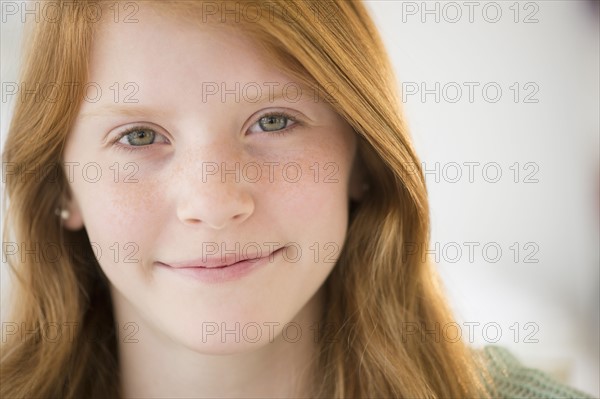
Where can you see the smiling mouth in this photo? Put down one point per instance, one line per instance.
(219, 273)
(220, 262)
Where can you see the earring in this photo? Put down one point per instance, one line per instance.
(63, 213)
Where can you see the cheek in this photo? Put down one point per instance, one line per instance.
(317, 203)
(121, 218)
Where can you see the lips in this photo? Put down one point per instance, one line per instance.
(216, 270)
(219, 262)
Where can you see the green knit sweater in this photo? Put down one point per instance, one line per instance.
(513, 380)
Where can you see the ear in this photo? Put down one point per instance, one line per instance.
(74, 221)
(358, 184)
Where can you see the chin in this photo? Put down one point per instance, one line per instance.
(222, 347)
(226, 336)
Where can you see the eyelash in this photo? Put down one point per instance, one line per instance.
(277, 133)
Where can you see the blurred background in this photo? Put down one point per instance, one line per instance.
(502, 99)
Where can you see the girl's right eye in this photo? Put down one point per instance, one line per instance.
(139, 136)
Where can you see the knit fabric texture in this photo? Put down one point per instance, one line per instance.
(513, 380)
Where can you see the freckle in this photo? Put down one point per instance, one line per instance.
(129, 200)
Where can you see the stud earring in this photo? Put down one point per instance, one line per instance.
(63, 213)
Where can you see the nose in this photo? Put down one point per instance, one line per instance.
(216, 201)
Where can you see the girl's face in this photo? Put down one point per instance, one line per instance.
(191, 149)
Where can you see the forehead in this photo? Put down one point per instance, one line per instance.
(163, 53)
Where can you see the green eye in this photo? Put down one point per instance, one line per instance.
(139, 137)
(272, 123)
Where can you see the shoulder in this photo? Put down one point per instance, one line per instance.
(513, 380)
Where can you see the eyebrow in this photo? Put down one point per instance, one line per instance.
(136, 110)
(117, 109)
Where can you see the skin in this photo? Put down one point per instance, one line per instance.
(161, 208)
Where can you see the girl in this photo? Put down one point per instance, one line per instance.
(221, 199)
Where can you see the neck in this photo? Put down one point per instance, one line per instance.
(156, 366)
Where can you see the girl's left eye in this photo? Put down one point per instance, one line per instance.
(273, 123)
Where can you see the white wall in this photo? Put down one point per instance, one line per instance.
(553, 140)
(558, 135)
